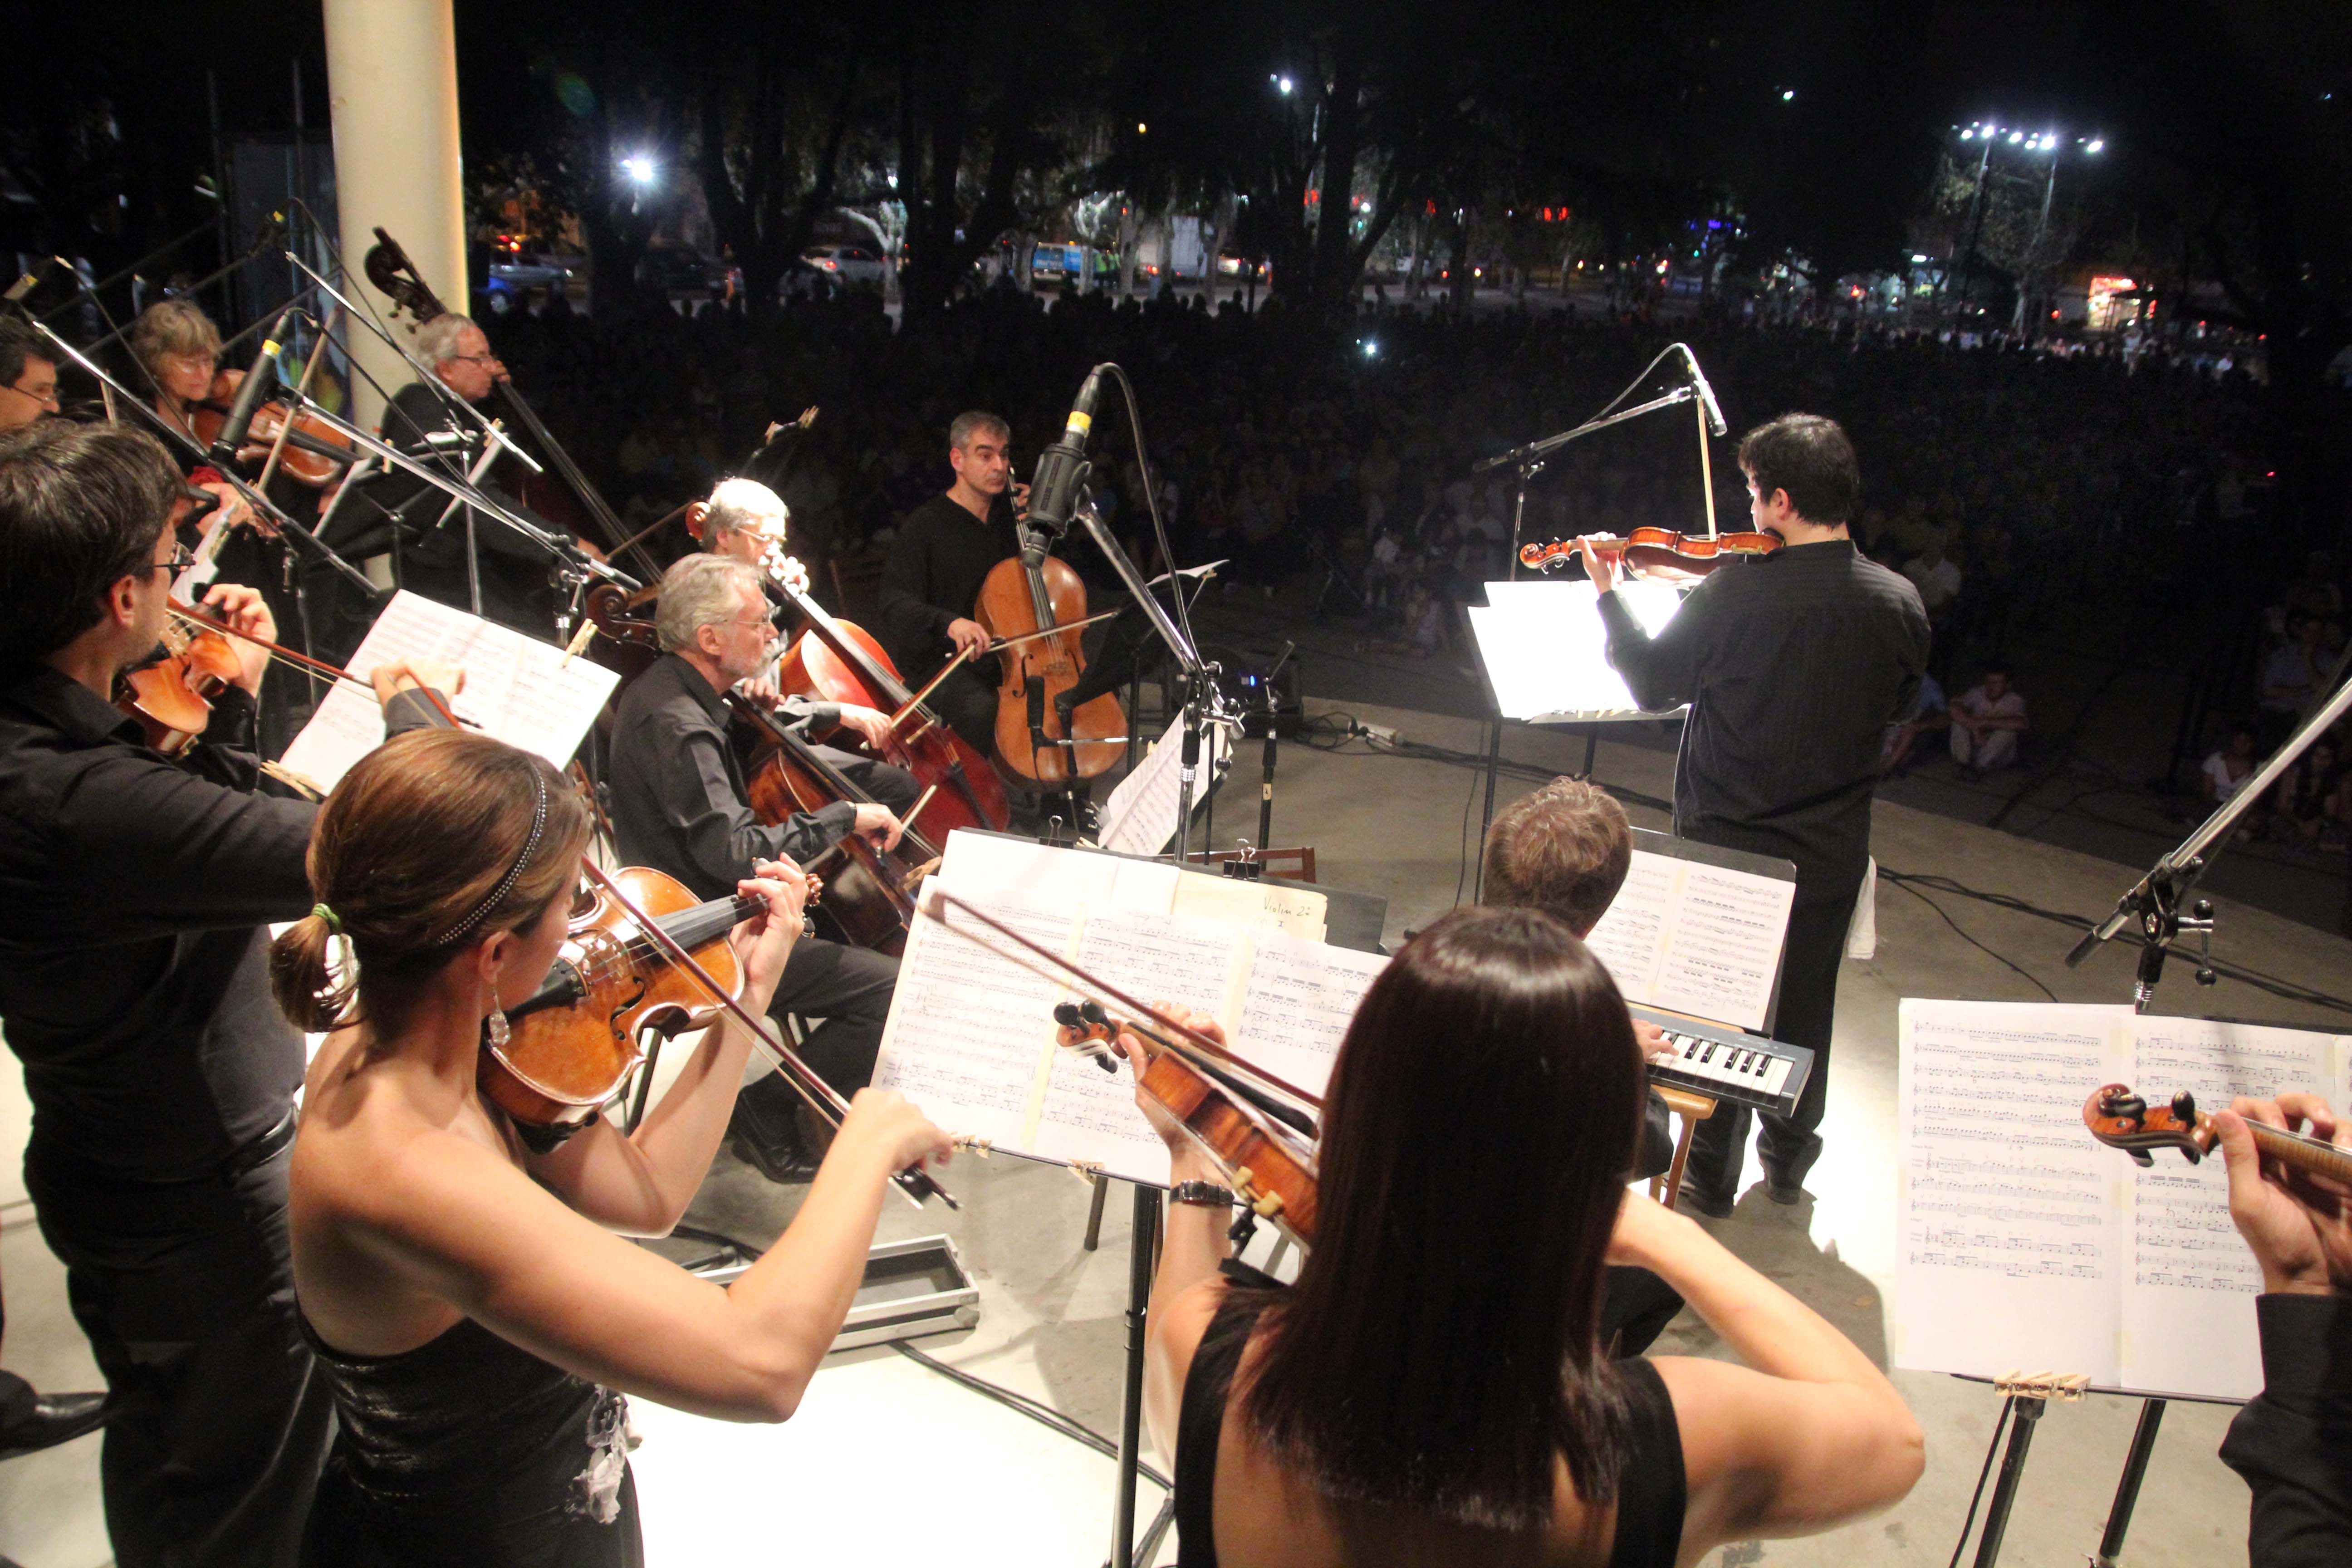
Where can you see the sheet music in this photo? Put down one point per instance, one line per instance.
(1544, 646)
(1296, 1001)
(2191, 1304)
(1139, 818)
(1696, 938)
(2010, 1223)
(970, 1028)
(517, 689)
(2026, 1243)
(1089, 1114)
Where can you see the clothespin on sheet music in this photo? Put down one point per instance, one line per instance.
(580, 641)
(983, 1147)
(2046, 1386)
(1090, 1171)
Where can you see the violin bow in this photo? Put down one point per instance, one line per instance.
(1187, 1039)
(286, 426)
(194, 617)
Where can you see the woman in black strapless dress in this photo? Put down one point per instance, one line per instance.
(469, 1298)
(1432, 1388)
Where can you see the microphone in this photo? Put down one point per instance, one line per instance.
(250, 392)
(273, 230)
(1705, 394)
(1058, 484)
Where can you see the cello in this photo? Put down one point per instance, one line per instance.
(839, 661)
(1023, 599)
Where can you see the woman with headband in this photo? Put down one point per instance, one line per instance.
(469, 1299)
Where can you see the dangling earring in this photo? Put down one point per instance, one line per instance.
(499, 1032)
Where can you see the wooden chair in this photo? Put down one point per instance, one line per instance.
(1297, 864)
(1693, 1109)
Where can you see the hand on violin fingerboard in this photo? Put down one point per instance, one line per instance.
(2297, 1224)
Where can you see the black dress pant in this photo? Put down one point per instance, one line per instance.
(892, 785)
(1809, 973)
(967, 700)
(217, 1423)
(849, 988)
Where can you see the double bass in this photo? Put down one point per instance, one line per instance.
(1047, 741)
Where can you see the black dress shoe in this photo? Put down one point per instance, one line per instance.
(786, 1163)
(1692, 1200)
(54, 1418)
(1781, 1192)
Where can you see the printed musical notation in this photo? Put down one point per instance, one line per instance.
(2064, 1251)
(1696, 938)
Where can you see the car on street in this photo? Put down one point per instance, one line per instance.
(676, 269)
(843, 266)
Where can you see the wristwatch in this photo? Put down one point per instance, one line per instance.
(1201, 1194)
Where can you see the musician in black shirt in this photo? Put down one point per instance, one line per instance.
(1794, 664)
(680, 805)
(944, 550)
(134, 891)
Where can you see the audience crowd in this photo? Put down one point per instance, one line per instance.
(2007, 483)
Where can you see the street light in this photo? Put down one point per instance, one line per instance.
(639, 168)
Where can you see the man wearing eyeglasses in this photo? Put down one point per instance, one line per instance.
(680, 803)
(135, 892)
(427, 536)
(28, 377)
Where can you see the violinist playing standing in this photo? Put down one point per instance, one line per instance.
(133, 987)
(469, 1300)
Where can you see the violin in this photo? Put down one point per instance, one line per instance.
(315, 450)
(574, 1042)
(1253, 1126)
(872, 896)
(1656, 553)
(1038, 737)
(173, 697)
(2122, 1120)
(840, 661)
(620, 970)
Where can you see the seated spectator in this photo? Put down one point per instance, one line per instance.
(2223, 771)
(2305, 803)
(2289, 1441)
(1986, 723)
(1936, 576)
(2290, 679)
(1929, 713)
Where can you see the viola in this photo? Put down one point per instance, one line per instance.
(1253, 1126)
(1037, 737)
(872, 896)
(575, 1041)
(622, 969)
(1656, 553)
(315, 450)
(839, 661)
(173, 697)
(2122, 1120)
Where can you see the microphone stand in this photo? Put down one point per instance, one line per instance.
(260, 503)
(1203, 699)
(1529, 459)
(2153, 903)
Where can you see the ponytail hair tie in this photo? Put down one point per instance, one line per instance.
(334, 923)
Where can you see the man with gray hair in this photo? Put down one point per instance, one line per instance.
(745, 520)
(429, 551)
(680, 803)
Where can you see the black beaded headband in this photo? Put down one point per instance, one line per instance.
(507, 885)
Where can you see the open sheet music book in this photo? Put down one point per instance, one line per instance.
(1695, 936)
(2023, 1243)
(1545, 649)
(517, 688)
(971, 1033)
(1139, 818)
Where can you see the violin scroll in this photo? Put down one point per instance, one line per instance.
(2122, 1120)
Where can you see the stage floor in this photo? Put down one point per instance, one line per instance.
(891, 1463)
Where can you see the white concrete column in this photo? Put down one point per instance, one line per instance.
(392, 78)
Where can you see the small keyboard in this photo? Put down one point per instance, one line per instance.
(1724, 1064)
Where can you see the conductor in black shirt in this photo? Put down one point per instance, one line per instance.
(1794, 665)
(134, 892)
(944, 550)
(680, 805)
